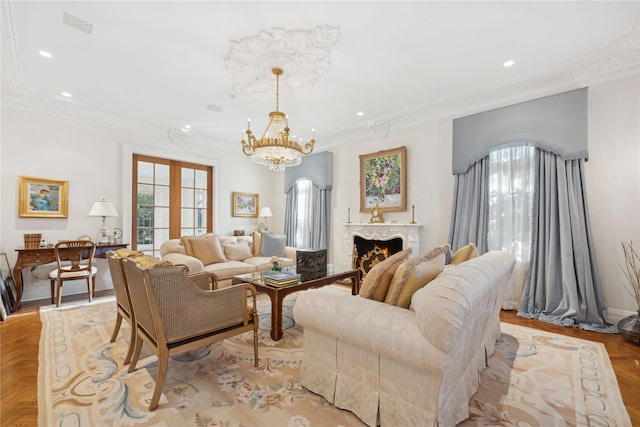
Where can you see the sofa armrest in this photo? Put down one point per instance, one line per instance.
(194, 265)
(375, 326)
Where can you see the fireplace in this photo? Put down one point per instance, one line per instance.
(367, 253)
(398, 236)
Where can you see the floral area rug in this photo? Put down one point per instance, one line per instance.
(535, 378)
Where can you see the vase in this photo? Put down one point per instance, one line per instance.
(629, 328)
(276, 268)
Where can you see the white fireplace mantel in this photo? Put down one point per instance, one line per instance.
(409, 233)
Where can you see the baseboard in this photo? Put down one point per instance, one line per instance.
(614, 315)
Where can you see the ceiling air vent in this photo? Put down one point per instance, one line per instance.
(77, 23)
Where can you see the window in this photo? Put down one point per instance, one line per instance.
(511, 186)
(171, 199)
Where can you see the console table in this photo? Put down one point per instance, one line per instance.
(40, 256)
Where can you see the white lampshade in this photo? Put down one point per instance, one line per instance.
(103, 208)
(266, 212)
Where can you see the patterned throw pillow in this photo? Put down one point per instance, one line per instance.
(375, 284)
(149, 261)
(433, 254)
(465, 253)
(237, 251)
(410, 276)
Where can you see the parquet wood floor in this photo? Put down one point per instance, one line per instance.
(19, 343)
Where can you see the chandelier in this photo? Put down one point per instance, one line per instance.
(274, 149)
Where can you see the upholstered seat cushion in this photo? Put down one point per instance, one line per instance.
(66, 273)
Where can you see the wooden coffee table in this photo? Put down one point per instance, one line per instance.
(278, 293)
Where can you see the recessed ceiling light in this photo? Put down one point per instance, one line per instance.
(45, 54)
(509, 63)
(187, 126)
(360, 113)
(66, 94)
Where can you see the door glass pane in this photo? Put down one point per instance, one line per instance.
(187, 218)
(162, 174)
(201, 218)
(145, 195)
(188, 232)
(201, 199)
(201, 179)
(187, 198)
(162, 196)
(161, 218)
(145, 172)
(187, 177)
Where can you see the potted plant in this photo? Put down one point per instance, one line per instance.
(629, 327)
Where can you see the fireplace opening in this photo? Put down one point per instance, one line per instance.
(367, 253)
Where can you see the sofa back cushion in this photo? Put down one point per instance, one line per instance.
(376, 282)
(237, 251)
(206, 248)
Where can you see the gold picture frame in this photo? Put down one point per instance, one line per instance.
(42, 198)
(245, 204)
(383, 180)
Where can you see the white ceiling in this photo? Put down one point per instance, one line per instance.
(155, 66)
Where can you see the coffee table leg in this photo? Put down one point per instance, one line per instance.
(276, 317)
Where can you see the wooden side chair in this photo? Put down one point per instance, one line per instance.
(174, 315)
(80, 254)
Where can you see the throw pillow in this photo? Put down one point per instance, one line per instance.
(372, 285)
(433, 254)
(207, 249)
(410, 276)
(257, 243)
(237, 251)
(126, 253)
(465, 253)
(273, 245)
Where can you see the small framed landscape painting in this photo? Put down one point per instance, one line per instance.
(383, 180)
(42, 198)
(244, 204)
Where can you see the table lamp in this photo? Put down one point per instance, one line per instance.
(266, 213)
(103, 208)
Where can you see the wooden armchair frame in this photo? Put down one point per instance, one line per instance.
(174, 315)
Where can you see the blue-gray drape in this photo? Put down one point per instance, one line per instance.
(470, 210)
(563, 285)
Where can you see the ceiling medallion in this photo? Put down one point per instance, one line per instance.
(303, 53)
(274, 149)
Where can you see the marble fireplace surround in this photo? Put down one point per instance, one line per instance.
(409, 233)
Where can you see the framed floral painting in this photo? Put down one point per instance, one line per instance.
(42, 198)
(383, 180)
(244, 204)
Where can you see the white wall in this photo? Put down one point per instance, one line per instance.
(613, 183)
(92, 160)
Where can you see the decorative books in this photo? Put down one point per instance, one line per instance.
(281, 279)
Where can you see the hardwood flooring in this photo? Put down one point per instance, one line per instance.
(19, 344)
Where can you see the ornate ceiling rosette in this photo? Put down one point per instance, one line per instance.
(302, 54)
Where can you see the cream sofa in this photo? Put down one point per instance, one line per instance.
(393, 366)
(230, 262)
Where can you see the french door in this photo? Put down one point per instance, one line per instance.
(170, 199)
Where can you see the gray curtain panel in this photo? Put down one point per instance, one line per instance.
(470, 210)
(563, 286)
(291, 216)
